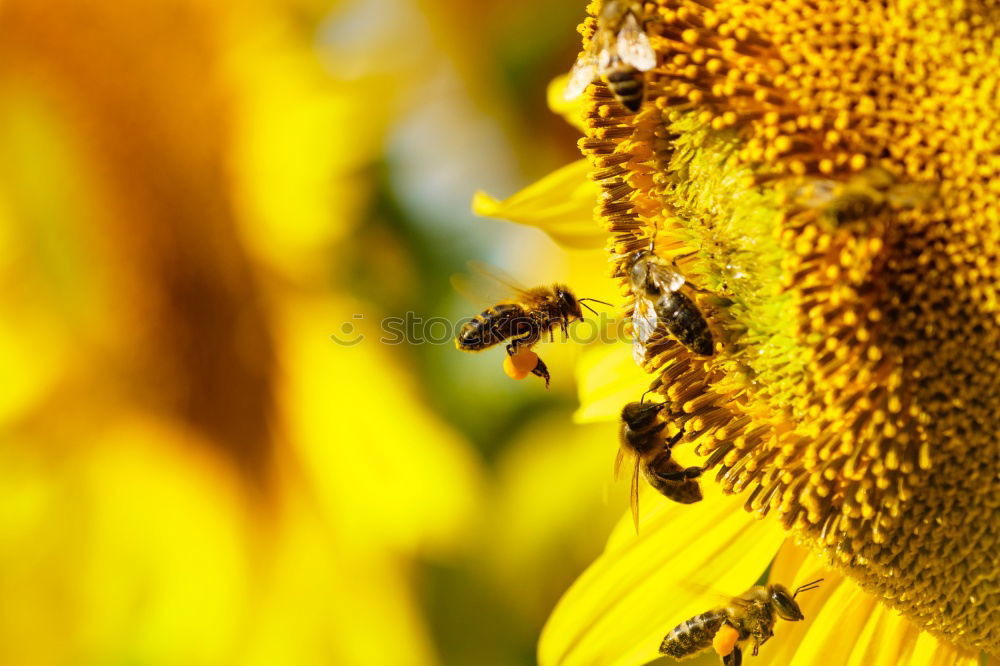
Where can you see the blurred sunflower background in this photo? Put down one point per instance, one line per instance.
(209, 456)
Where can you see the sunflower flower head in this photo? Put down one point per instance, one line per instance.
(828, 173)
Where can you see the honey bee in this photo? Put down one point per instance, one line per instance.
(641, 436)
(658, 299)
(523, 321)
(619, 51)
(864, 194)
(750, 615)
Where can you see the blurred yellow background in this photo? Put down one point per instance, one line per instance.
(195, 196)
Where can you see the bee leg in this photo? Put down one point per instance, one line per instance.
(683, 475)
(734, 658)
(676, 438)
(524, 341)
(694, 287)
(756, 646)
(528, 335)
(541, 370)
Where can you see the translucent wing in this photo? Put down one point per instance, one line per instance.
(584, 71)
(633, 45)
(498, 276)
(909, 195)
(485, 284)
(619, 459)
(709, 590)
(816, 193)
(477, 291)
(643, 324)
(633, 500)
(664, 277)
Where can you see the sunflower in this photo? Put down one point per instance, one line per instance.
(828, 173)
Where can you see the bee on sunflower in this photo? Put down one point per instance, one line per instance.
(829, 174)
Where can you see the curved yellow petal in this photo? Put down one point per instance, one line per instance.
(561, 204)
(607, 378)
(830, 636)
(929, 650)
(536, 548)
(573, 110)
(618, 611)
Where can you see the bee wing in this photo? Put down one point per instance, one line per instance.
(713, 596)
(643, 324)
(633, 499)
(816, 193)
(619, 459)
(584, 71)
(477, 292)
(488, 284)
(667, 279)
(497, 275)
(643, 319)
(633, 45)
(909, 195)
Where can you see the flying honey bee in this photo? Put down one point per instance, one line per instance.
(619, 51)
(641, 436)
(658, 299)
(866, 193)
(522, 321)
(750, 615)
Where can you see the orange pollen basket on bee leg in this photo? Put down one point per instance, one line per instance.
(520, 364)
(725, 640)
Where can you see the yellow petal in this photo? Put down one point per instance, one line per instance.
(574, 110)
(932, 651)
(620, 609)
(831, 632)
(607, 378)
(561, 204)
(537, 548)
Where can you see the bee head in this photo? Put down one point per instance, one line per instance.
(784, 601)
(568, 304)
(785, 604)
(639, 416)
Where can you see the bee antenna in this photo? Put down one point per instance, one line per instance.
(659, 406)
(806, 587)
(587, 306)
(595, 300)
